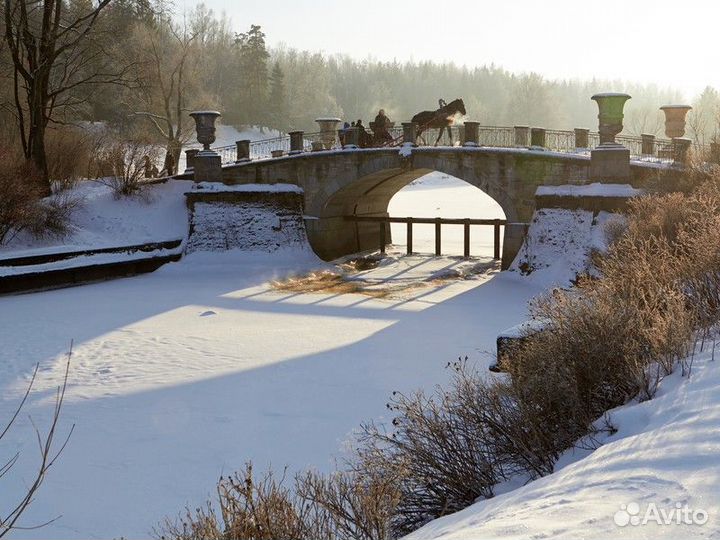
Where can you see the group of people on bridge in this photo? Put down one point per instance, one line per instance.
(379, 134)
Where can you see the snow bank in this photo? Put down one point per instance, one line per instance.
(559, 244)
(664, 456)
(595, 189)
(103, 220)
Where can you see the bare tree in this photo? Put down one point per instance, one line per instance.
(49, 453)
(52, 55)
(167, 55)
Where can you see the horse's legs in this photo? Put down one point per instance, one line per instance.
(439, 135)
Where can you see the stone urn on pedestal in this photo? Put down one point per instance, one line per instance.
(328, 131)
(675, 119)
(675, 129)
(610, 161)
(207, 164)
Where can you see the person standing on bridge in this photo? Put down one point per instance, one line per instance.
(363, 137)
(382, 124)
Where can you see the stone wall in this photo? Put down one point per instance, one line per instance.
(247, 220)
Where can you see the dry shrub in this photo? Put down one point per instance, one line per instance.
(443, 460)
(606, 341)
(359, 504)
(340, 506)
(122, 165)
(68, 152)
(21, 205)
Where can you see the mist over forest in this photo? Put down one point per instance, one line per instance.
(145, 66)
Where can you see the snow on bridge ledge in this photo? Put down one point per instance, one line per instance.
(596, 189)
(247, 188)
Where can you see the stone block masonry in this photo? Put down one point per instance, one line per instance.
(250, 218)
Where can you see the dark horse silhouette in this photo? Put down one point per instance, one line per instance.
(441, 118)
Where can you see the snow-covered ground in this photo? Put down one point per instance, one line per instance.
(182, 375)
(660, 467)
(439, 195)
(102, 220)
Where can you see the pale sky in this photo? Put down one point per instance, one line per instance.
(672, 43)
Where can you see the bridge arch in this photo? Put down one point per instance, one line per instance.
(342, 183)
(331, 234)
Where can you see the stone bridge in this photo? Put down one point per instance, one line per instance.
(361, 182)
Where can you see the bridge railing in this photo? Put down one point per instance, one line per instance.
(496, 136)
(488, 136)
(383, 221)
(560, 140)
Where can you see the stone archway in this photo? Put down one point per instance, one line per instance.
(332, 236)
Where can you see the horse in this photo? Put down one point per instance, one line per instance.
(441, 118)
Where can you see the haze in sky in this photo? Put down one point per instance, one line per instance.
(671, 43)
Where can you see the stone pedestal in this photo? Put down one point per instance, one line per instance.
(472, 134)
(409, 132)
(190, 160)
(537, 137)
(582, 138)
(207, 167)
(648, 144)
(328, 131)
(243, 151)
(352, 137)
(610, 163)
(296, 142)
(681, 150)
(522, 134)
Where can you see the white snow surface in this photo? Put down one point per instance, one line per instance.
(560, 242)
(252, 188)
(103, 220)
(596, 189)
(183, 375)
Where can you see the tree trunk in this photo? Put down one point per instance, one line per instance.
(38, 157)
(173, 150)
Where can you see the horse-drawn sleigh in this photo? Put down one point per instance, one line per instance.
(441, 119)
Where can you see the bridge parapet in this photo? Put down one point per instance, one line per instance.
(578, 141)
